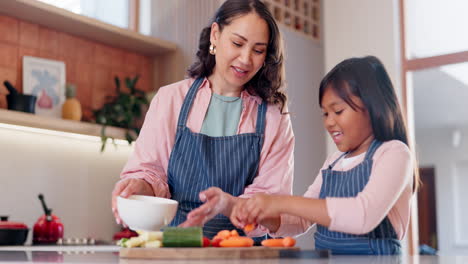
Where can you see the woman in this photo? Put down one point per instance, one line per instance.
(224, 130)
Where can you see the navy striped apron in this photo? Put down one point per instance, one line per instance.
(380, 241)
(198, 162)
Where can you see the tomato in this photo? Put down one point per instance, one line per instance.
(206, 242)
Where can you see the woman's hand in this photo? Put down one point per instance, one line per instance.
(127, 187)
(215, 202)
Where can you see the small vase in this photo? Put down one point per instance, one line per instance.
(71, 108)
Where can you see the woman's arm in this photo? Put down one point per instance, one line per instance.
(150, 157)
(276, 167)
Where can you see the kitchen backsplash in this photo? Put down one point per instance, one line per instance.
(89, 64)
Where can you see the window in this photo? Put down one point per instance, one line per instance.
(436, 27)
(115, 12)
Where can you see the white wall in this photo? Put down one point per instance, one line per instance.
(75, 178)
(436, 149)
(181, 21)
(304, 70)
(359, 28)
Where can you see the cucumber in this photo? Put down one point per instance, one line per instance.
(183, 237)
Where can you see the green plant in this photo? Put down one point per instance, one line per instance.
(123, 110)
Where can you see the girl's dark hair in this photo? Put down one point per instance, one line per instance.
(367, 79)
(269, 80)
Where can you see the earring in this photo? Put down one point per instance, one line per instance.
(212, 49)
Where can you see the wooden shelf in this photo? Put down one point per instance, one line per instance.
(62, 20)
(36, 121)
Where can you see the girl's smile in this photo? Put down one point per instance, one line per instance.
(350, 129)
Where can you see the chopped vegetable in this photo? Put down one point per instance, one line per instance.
(206, 242)
(151, 236)
(279, 242)
(152, 244)
(183, 237)
(145, 239)
(122, 242)
(237, 242)
(249, 227)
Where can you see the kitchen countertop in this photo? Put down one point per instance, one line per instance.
(106, 254)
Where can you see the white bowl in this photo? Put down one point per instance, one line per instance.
(146, 213)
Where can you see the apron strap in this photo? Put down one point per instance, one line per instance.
(261, 115)
(188, 101)
(373, 147)
(369, 153)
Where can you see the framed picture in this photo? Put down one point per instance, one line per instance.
(46, 80)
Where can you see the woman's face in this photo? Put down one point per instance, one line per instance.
(241, 49)
(350, 129)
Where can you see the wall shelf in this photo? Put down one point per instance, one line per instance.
(62, 20)
(36, 121)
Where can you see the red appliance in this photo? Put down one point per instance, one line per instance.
(48, 228)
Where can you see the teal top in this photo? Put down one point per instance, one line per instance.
(222, 117)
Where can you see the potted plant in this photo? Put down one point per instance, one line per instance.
(123, 110)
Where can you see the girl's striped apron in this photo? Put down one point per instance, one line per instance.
(380, 241)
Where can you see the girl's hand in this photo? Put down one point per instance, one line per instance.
(259, 209)
(125, 188)
(215, 202)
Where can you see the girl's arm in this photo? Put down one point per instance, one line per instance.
(267, 209)
(389, 186)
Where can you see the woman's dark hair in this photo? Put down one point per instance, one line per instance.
(367, 79)
(269, 80)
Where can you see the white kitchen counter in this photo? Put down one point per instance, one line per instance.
(109, 254)
(84, 248)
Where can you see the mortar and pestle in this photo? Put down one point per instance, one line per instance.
(19, 102)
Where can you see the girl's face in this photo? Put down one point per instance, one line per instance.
(241, 49)
(350, 130)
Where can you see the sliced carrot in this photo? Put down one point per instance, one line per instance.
(217, 237)
(249, 227)
(224, 234)
(273, 242)
(234, 233)
(289, 242)
(237, 242)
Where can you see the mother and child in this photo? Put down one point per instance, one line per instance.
(221, 144)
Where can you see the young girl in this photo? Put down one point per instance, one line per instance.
(360, 200)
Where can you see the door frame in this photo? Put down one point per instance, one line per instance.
(408, 65)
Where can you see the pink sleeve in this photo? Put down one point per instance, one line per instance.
(391, 175)
(275, 172)
(294, 225)
(150, 157)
